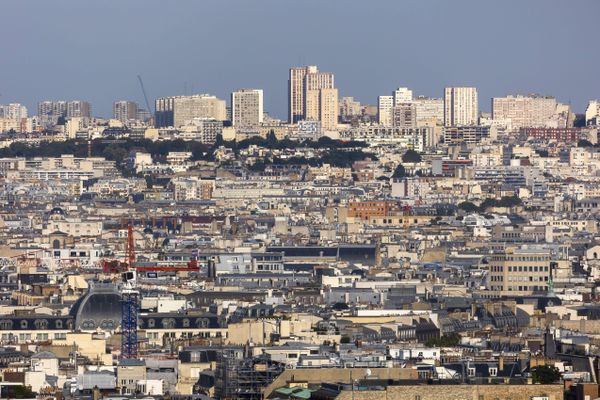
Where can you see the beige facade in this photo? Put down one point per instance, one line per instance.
(429, 111)
(524, 111)
(296, 92)
(385, 105)
(186, 108)
(313, 97)
(247, 108)
(519, 271)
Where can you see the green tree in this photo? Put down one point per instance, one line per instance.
(545, 374)
(510, 201)
(467, 206)
(399, 172)
(411, 156)
(446, 340)
(272, 141)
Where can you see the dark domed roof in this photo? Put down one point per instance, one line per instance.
(57, 211)
(100, 308)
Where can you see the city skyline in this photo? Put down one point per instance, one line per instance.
(499, 63)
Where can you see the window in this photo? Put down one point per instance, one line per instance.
(493, 371)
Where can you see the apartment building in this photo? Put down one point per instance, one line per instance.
(460, 106)
(519, 271)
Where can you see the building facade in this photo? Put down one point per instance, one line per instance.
(460, 106)
(247, 108)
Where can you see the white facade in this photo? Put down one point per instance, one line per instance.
(460, 106)
(385, 105)
(402, 95)
(593, 111)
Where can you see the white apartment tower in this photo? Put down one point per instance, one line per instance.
(48, 109)
(247, 108)
(385, 106)
(13, 111)
(460, 106)
(402, 95)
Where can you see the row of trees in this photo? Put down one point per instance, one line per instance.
(341, 153)
(505, 201)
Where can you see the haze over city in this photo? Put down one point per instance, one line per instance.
(299, 200)
(95, 49)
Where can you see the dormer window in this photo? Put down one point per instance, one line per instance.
(493, 371)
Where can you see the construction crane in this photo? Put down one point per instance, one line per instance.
(129, 297)
(144, 93)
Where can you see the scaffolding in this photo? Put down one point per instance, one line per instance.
(129, 325)
(240, 377)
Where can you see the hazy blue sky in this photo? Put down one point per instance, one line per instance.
(94, 49)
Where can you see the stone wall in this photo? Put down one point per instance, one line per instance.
(457, 392)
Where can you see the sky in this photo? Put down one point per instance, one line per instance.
(94, 49)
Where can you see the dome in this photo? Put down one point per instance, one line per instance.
(99, 308)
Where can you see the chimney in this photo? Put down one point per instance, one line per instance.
(501, 363)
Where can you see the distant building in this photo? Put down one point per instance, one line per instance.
(467, 134)
(429, 111)
(14, 111)
(296, 92)
(402, 95)
(385, 106)
(79, 109)
(404, 115)
(592, 112)
(524, 111)
(568, 135)
(312, 96)
(460, 106)
(50, 111)
(519, 271)
(125, 110)
(349, 108)
(163, 116)
(180, 110)
(247, 108)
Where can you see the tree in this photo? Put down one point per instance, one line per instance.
(272, 139)
(467, 206)
(446, 340)
(545, 374)
(510, 201)
(411, 156)
(399, 172)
